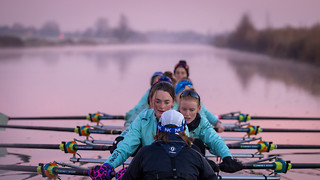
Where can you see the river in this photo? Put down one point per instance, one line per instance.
(67, 81)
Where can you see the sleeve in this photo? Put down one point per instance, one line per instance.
(135, 169)
(213, 119)
(133, 113)
(210, 137)
(127, 146)
(206, 172)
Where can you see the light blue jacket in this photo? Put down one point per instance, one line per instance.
(204, 112)
(141, 130)
(133, 113)
(209, 136)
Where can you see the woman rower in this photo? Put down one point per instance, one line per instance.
(200, 128)
(181, 70)
(143, 103)
(141, 130)
(170, 156)
(144, 127)
(186, 84)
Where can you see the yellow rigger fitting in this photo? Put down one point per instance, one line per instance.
(253, 130)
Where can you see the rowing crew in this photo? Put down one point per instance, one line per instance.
(143, 131)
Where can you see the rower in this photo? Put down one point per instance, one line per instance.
(143, 103)
(186, 84)
(144, 127)
(199, 128)
(181, 70)
(170, 156)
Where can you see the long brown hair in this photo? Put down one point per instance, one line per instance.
(170, 75)
(164, 137)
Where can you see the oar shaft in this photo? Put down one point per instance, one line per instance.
(92, 131)
(277, 146)
(19, 168)
(284, 118)
(71, 171)
(289, 146)
(64, 117)
(39, 128)
(57, 170)
(259, 166)
(305, 165)
(56, 146)
(48, 117)
(107, 131)
(112, 117)
(291, 130)
(32, 146)
(247, 177)
(272, 165)
(273, 130)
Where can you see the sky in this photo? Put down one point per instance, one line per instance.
(204, 16)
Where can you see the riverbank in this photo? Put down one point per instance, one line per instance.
(299, 44)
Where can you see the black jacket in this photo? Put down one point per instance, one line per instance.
(158, 161)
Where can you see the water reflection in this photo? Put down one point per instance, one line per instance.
(290, 73)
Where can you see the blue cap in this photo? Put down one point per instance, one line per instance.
(165, 79)
(173, 118)
(157, 74)
(180, 86)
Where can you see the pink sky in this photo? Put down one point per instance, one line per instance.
(202, 16)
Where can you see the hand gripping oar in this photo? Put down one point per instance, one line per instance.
(68, 147)
(50, 170)
(264, 146)
(82, 131)
(254, 130)
(96, 117)
(246, 117)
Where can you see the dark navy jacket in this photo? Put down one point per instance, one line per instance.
(169, 161)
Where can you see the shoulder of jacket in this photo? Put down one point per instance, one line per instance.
(146, 114)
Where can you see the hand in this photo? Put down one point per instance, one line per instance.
(115, 143)
(230, 165)
(218, 127)
(105, 171)
(120, 173)
(213, 165)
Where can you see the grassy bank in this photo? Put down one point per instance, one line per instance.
(300, 44)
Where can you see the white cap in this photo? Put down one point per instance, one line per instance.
(172, 117)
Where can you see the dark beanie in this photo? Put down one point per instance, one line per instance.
(182, 63)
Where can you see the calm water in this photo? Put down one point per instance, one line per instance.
(112, 79)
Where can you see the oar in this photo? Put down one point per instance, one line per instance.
(50, 170)
(246, 117)
(254, 130)
(67, 147)
(96, 117)
(263, 146)
(82, 131)
(127, 162)
(272, 165)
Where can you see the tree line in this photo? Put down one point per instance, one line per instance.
(101, 32)
(301, 44)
